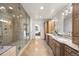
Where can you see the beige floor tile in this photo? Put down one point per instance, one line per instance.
(37, 47)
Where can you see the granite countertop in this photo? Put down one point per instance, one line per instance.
(65, 41)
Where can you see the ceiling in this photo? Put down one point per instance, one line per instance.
(50, 9)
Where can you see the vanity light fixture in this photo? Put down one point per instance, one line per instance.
(42, 7)
(10, 8)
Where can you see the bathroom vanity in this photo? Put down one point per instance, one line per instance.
(64, 40)
(62, 46)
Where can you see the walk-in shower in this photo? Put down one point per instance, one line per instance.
(14, 25)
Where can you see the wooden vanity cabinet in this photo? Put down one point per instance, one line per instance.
(51, 43)
(56, 47)
(46, 38)
(60, 49)
(75, 23)
(68, 51)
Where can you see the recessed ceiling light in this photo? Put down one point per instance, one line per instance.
(2, 7)
(42, 7)
(10, 8)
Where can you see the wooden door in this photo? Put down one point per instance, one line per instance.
(45, 27)
(45, 30)
(51, 26)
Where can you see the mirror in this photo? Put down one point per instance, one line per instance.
(63, 24)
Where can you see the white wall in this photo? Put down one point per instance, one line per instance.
(39, 22)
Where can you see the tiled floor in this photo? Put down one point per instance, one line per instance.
(37, 47)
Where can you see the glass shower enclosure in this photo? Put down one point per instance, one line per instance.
(14, 25)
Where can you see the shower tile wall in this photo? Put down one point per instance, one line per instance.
(6, 28)
(7, 32)
(14, 30)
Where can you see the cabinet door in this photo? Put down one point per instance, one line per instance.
(54, 48)
(67, 54)
(58, 49)
(70, 52)
(75, 40)
(46, 38)
(76, 27)
(75, 20)
(75, 9)
(67, 51)
(52, 44)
